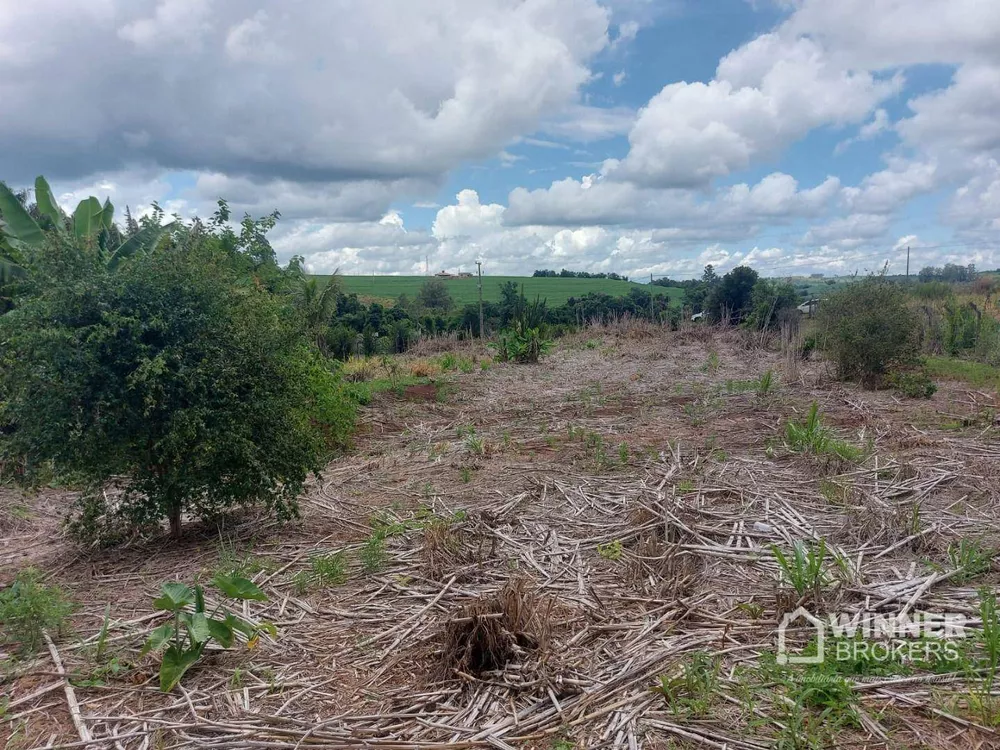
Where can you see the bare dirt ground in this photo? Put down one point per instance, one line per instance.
(557, 539)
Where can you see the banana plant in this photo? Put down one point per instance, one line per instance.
(190, 629)
(92, 221)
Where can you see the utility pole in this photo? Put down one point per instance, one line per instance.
(652, 314)
(479, 266)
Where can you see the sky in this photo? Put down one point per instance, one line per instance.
(643, 137)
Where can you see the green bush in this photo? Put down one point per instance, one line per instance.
(172, 380)
(526, 340)
(29, 607)
(869, 330)
(915, 384)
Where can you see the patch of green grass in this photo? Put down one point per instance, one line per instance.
(712, 363)
(242, 563)
(448, 361)
(691, 691)
(28, 607)
(365, 391)
(805, 568)
(610, 551)
(323, 571)
(974, 373)
(374, 555)
(464, 291)
(812, 437)
(475, 445)
(970, 559)
(466, 473)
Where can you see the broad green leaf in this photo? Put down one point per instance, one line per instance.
(197, 625)
(10, 270)
(20, 225)
(175, 663)
(87, 217)
(175, 596)
(221, 632)
(144, 241)
(239, 588)
(238, 623)
(157, 638)
(47, 205)
(107, 214)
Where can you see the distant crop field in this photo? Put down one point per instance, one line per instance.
(555, 290)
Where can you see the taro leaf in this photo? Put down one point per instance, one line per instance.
(197, 625)
(175, 596)
(175, 663)
(222, 632)
(238, 623)
(239, 588)
(157, 638)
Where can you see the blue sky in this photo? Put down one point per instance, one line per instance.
(636, 136)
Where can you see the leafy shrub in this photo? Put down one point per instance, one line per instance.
(869, 330)
(29, 607)
(525, 341)
(171, 379)
(961, 327)
(186, 636)
(915, 384)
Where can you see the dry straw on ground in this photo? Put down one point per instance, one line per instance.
(542, 599)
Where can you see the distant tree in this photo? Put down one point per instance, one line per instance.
(434, 295)
(709, 276)
(767, 300)
(730, 298)
(316, 300)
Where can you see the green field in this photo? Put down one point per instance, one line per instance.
(555, 290)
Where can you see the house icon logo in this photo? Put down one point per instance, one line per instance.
(789, 621)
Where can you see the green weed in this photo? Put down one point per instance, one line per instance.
(812, 437)
(970, 559)
(28, 607)
(610, 551)
(374, 556)
(805, 569)
(184, 638)
(691, 692)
